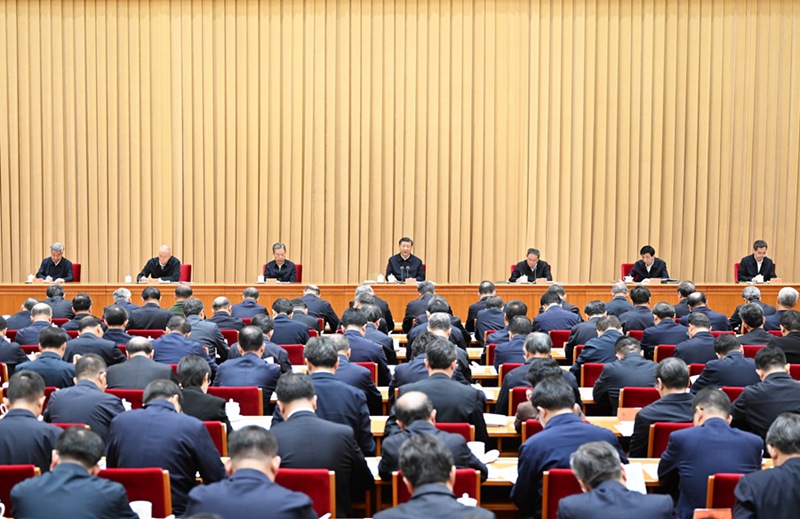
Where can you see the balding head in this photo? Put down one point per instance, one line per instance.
(41, 312)
(414, 406)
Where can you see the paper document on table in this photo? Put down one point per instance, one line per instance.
(625, 428)
(651, 469)
(506, 474)
(495, 420)
(635, 478)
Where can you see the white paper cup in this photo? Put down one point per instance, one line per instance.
(144, 509)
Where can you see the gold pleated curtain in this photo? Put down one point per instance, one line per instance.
(479, 128)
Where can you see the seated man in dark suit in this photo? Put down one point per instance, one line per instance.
(512, 351)
(117, 319)
(772, 493)
(122, 298)
(86, 402)
(790, 342)
(419, 306)
(72, 488)
(286, 330)
(23, 438)
(759, 404)
(414, 369)
(753, 325)
(300, 314)
(699, 349)
(249, 369)
(319, 308)
(757, 266)
(203, 331)
(22, 319)
(531, 269)
(175, 345)
(81, 307)
(437, 304)
(630, 369)
(194, 374)
(357, 376)
(307, 441)
(251, 489)
(453, 402)
(416, 415)
(492, 317)
(183, 291)
(222, 315)
(601, 349)
(619, 303)
(62, 308)
(664, 331)
(583, 332)
(563, 433)
(50, 364)
(639, 317)
(556, 288)
(429, 474)
(710, 447)
(273, 353)
(649, 266)
(41, 319)
(150, 316)
(373, 315)
(184, 445)
(538, 369)
(730, 368)
(750, 295)
(698, 304)
(280, 268)
(675, 404)
(602, 478)
(140, 369)
(56, 268)
(249, 306)
(10, 352)
(685, 289)
(441, 325)
(165, 267)
(404, 265)
(362, 349)
(553, 316)
(513, 309)
(90, 341)
(485, 290)
(787, 299)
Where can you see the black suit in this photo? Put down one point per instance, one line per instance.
(472, 313)
(732, 370)
(773, 322)
(149, 317)
(360, 378)
(540, 270)
(286, 273)
(84, 403)
(287, 331)
(611, 500)
(204, 407)
(117, 336)
(225, 321)
(675, 408)
(736, 321)
(769, 493)
(318, 307)
(25, 440)
(517, 377)
(759, 404)
(403, 269)
(757, 336)
(456, 327)
(488, 319)
(637, 318)
(11, 355)
(137, 372)
(697, 350)
(657, 270)
(52, 368)
(790, 344)
(384, 340)
(249, 370)
(632, 371)
(62, 308)
(74, 323)
(433, 500)
(719, 323)
(414, 309)
(30, 335)
(555, 318)
(748, 269)
(279, 355)
(91, 343)
(310, 322)
(61, 271)
(581, 333)
(307, 441)
(665, 332)
(681, 309)
(127, 305)
(19, 320)
(169, 272)
(248, 309)
(365, 350)
(618, 306)
(208, 334)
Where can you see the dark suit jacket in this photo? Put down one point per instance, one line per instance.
(790, 344)
(286, 273)
(611, 500)
(414, 309)
(719, 323)
(453, 402)
(736, 321)
(407, 373)
(365, 350)
(498, 337)
(225, 321)
(697, 350)
(675, 408)
(488, 319)
(19, 320)
(517, 377)
(127, 305)
(30, 335)
(757, 336)
(732, 370)
(137, 372)
(760, 404)
(541, 270)
(769, 493)
(62, 308)
(550, 449)
(665, 332)
(208, 335)
(599, 350)
(318, 307)
(581, 333)
(11, 355)
(309, 321)
(247, 494)
(61, 271)
(25, 440)
(73, 324)
(555, 318)
(455, 335)
(117, 336)
(170, 272)
(384, 340)
(308, 441)
(84, 403)
(184, 447)
(149, 317)
(249, 370)
(462, 456)
(279, 355)
(695, 453)
(433, 500)
(748, 269)
(172, 347)
(472, 313)
(52, 368)
(510, 352)
(637, 318)
(247, 309)
(773, 322)
(204, 407)
(70, 491)
(405, 268)
(91, 343)
(681, 309)
(287, 331)
(618, 306)
(658, 270)
(632, 371)
(360, 378)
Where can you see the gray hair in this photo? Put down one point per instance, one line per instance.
(121, 293)
(538, 342)
(364, 289)
(595, 462)
(787, 297)
(751, 293)
(619, 288)
(341, 342)
(57, 247)
(784, 433)
(220, 302)
(439, 321)
(279, 245)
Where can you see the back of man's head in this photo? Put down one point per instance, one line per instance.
(685, 288)
(713, 401)
(264, 322)
(494, 302)
(25, 387)
(29, 303)
(251, 293)
(89, 366)
(426, 287)
(341, 342)
(424, 459)
(161, 390)
(151, 294)
(121, 293)
(321, 352)
(553, 394)
(116, 316)
(696, 299)
(312, 289)
(41, 310)
(520, 325)
(752, 315)
(619, 288)
(542, 368)
(640, 295)
(251, 339)
(362, 299)
(439, 322)
(514, 308)
(726, 343)
(486, 288)
(664, 311)
(220, 303)
(673, 373)
(52, 338)
(252, 443)
(787, 297)
(192, 306)
(353, 317)
(420, 344)
(139, 345)
(193, 370)
(784, 433)
(699, 320)
(179, 324)
(751, 293)
(55, 291)
(282, 306)
(596, 462)
(594, 308)
(3, 323)
(293, 387)
(183, 291)
(626, 345)
(558, 289)
(413, 406)
(608, 322)
(80, 445)
(549, 298)
(538, 343)
(770, 358)
(372, 313)
(438, 304)
(790, 320)
(440, 354)
(81, 303)
(89, 321)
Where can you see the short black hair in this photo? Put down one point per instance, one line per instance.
(161, 390)
(192, 370)
(438, 304)
(685, 288)
(520, 325)
(440, 354)
(550, 298)
(791, 320)
(759, 244)
(664, 311)
(769, 358)
(252, 442)
(626, 344)
(516, 307)
(608, 321)
(54, 291)
(406, 239)
(89, 321)
(647, 249)
(193, 306)
(3, 323)
(151, 293)
(420, 344)
(264, 322)
(251, 293)
(595, 307)
(81, 303)
(52, 338)
(494, 302)
(321, 352)
(541, 368)
(116, 315)
(282, 306)
(372, 313)
(699, 320)
(784, 433)
(89, 365)
(486, 287)
(713, 398)
(725, 344)
(183, 291)
(752, 315)
(294, 386)
(299, 303)
(533, 251)
(553, 394)
(640, 295)
(177, 323)
(25, 386)
(673, 373)
(81, 445)
(353, 317)
(250, 338)
(425, 459)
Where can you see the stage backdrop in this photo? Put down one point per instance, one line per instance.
(479, 128)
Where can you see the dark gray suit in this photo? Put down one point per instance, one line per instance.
(84, 403)
(137, 372)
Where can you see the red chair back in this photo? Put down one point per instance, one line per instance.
(295, 352)
(505, 369)
(513, 266)
(556, 485)
(10, 475)
(663, 351)
(312, 333)
(464, 429)
(696, 368)
(750, 350)
(659, 437)
(736, 272)
(321, 324)
(577, 351)
(720, 490)
(250, 399)
(247, 320)
(49, 390)
(73, 334)
(150, 334)
(11, 335)
(123, 348)
(373, 370)
(186, 273)
(529, 428)
(299, 268)
(559, 337)
(637, 396)
(231, 336)
(134, 396)
(717, 333)
(76, 272)
(517, 395)
(68, 425)
(318, 484)
(60, 321)
(794, 371)
(590, 372)
(149, 484)
(490, 354)
(174, 368)
(468, 481)
(625, 269)
(29, 348)
(733, 392)
(219, 435)
(636, 334)
(776, 333)
(486, 335)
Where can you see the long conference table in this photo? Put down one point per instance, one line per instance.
(722, 297)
